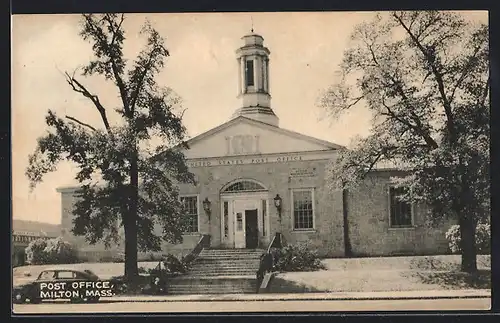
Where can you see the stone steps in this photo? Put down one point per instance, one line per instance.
(214, 268)
(225, 262)
(224, 273)
(219, 271)
(212, 285)
(209, 252)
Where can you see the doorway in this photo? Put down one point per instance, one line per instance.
(251, 229)
(245, 219)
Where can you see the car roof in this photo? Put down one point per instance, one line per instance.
(63, 269)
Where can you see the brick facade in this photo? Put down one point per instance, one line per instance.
(369, 229)
(367, 213)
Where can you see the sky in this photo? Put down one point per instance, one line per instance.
(306, 49)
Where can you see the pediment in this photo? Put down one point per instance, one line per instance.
(244, 136)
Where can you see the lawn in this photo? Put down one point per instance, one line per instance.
(386, 274)
(342, 275)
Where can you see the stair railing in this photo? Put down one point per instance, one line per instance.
(203, 243)
(266, 263)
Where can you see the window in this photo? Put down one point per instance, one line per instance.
(267, 76)
(47, 275)
(80, 276)
(263, 73)
(65, 275)
(249, 73)
(190, 206)
(226, 215)
(244, 186)
(400, 211)
(239, 222)
(303, 209)
(264, 214)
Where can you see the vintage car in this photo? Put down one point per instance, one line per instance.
(51, 284)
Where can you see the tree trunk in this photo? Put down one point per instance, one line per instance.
(467, 224)
(468, 243)
(345, 210)
(131, 269)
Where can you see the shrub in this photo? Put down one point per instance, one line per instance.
(35, 254)
(59, 251)
(296, 258)
(53, 251)
(483, 238)
(174, 265)
(170, 264)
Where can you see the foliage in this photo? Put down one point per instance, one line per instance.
(113, 258)
(53, 251)
(483, 238)
(296, 258)
(174, 265)
(424, 76)
(128, 171)
(35, 254)
(169, 264)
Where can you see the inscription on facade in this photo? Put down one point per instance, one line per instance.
(242, 145)
(303, 172)
(243, 161)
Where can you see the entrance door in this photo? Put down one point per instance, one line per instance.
(251, 229)
(245, 220)
(239, 230)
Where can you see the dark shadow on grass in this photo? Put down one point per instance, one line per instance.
(456, 280)
(280, 285)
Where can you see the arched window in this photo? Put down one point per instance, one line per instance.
(244, 186)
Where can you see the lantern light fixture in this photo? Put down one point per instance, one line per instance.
(207, 207)
(277, 203)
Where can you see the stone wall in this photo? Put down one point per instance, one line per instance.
(368, 213)
(278, 178)
(369, 230)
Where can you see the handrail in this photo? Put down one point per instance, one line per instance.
(271, 244)
(204, 242)
(267, 260)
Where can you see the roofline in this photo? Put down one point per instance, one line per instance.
(252, 35)
(265, 125)
(68, 189)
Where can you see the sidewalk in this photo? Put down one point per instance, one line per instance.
(341, 296)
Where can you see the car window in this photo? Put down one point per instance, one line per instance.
(80, 276)
(47, 275)
(90, 272)
(66, 275)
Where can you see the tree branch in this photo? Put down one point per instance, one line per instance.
(486, 90)
(78, 87)
(111, 54)
(110, 23)
(464, 72)
(182, 113)
(393, 115)
(438, 76)
(80, 122)
(119, 81)
(399, 88)
(135, 94)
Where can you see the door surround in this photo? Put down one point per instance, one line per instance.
(236, 197)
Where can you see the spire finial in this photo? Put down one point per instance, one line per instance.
(251, 19)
